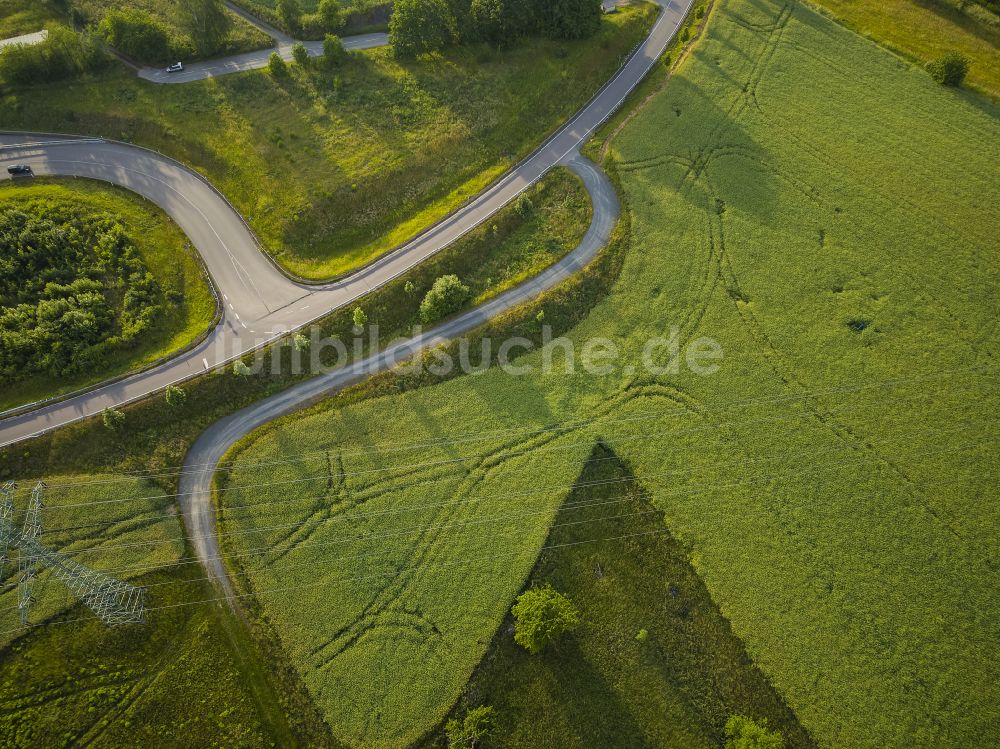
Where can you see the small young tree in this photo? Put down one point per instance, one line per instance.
(409, 288)
(176, 396)
(523, 207)
(330, 15)
(240, 369)
(277, 66)
(300, 54)
(541, 615)
(421, 26)
(447, 295)
(478, 725)
(745, 733)
(113, 419)
(334, 52)
(950, 69)
(360, 318)
(300, 342)
(290, 13)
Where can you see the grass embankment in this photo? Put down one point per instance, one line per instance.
(829, 216)
(606, 685)
(28, 16)
(186, 303)
(332, 170)
(184, 673)
(924, 30)
(242, 37)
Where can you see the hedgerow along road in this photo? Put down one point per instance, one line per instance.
(259, 302)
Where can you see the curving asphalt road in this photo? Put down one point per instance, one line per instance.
(200, 464)
(260, 303)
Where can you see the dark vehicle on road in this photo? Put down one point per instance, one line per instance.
(19, 170)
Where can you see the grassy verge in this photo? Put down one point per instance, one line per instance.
(603, 686)
(188, 307)
(28, 16)
(242, 36)
(924, 30)
(160, 683)
(378, 149)
(827, 214)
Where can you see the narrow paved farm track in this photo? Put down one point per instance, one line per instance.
(259, 302)
(199, 71)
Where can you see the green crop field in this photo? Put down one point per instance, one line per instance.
(135, 680)
(333, 169)
(829, 216)
(927, 29)
(184, 300)
(607, 685)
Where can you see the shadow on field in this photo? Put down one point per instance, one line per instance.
(676, 685)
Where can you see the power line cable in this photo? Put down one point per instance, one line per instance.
(818, 469)
(535, 431)
(451, 461)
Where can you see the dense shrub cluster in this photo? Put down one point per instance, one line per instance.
(541, 616)
(63, 54)
(422, 26)
(447, 296)
(136, 34)
(72, 288)
(329, 17)
(950, 69)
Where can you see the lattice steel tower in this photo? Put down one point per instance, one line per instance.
(114, 601)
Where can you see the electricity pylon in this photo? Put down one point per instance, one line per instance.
(114, 601)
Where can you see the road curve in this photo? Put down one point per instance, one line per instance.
(259, 302)
(195, 490)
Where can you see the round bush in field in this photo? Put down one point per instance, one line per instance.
(950, 69)
(447, 295)
(542, 615)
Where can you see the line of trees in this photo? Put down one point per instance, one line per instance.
(425, 26)
(72, 289)
(63, 54)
